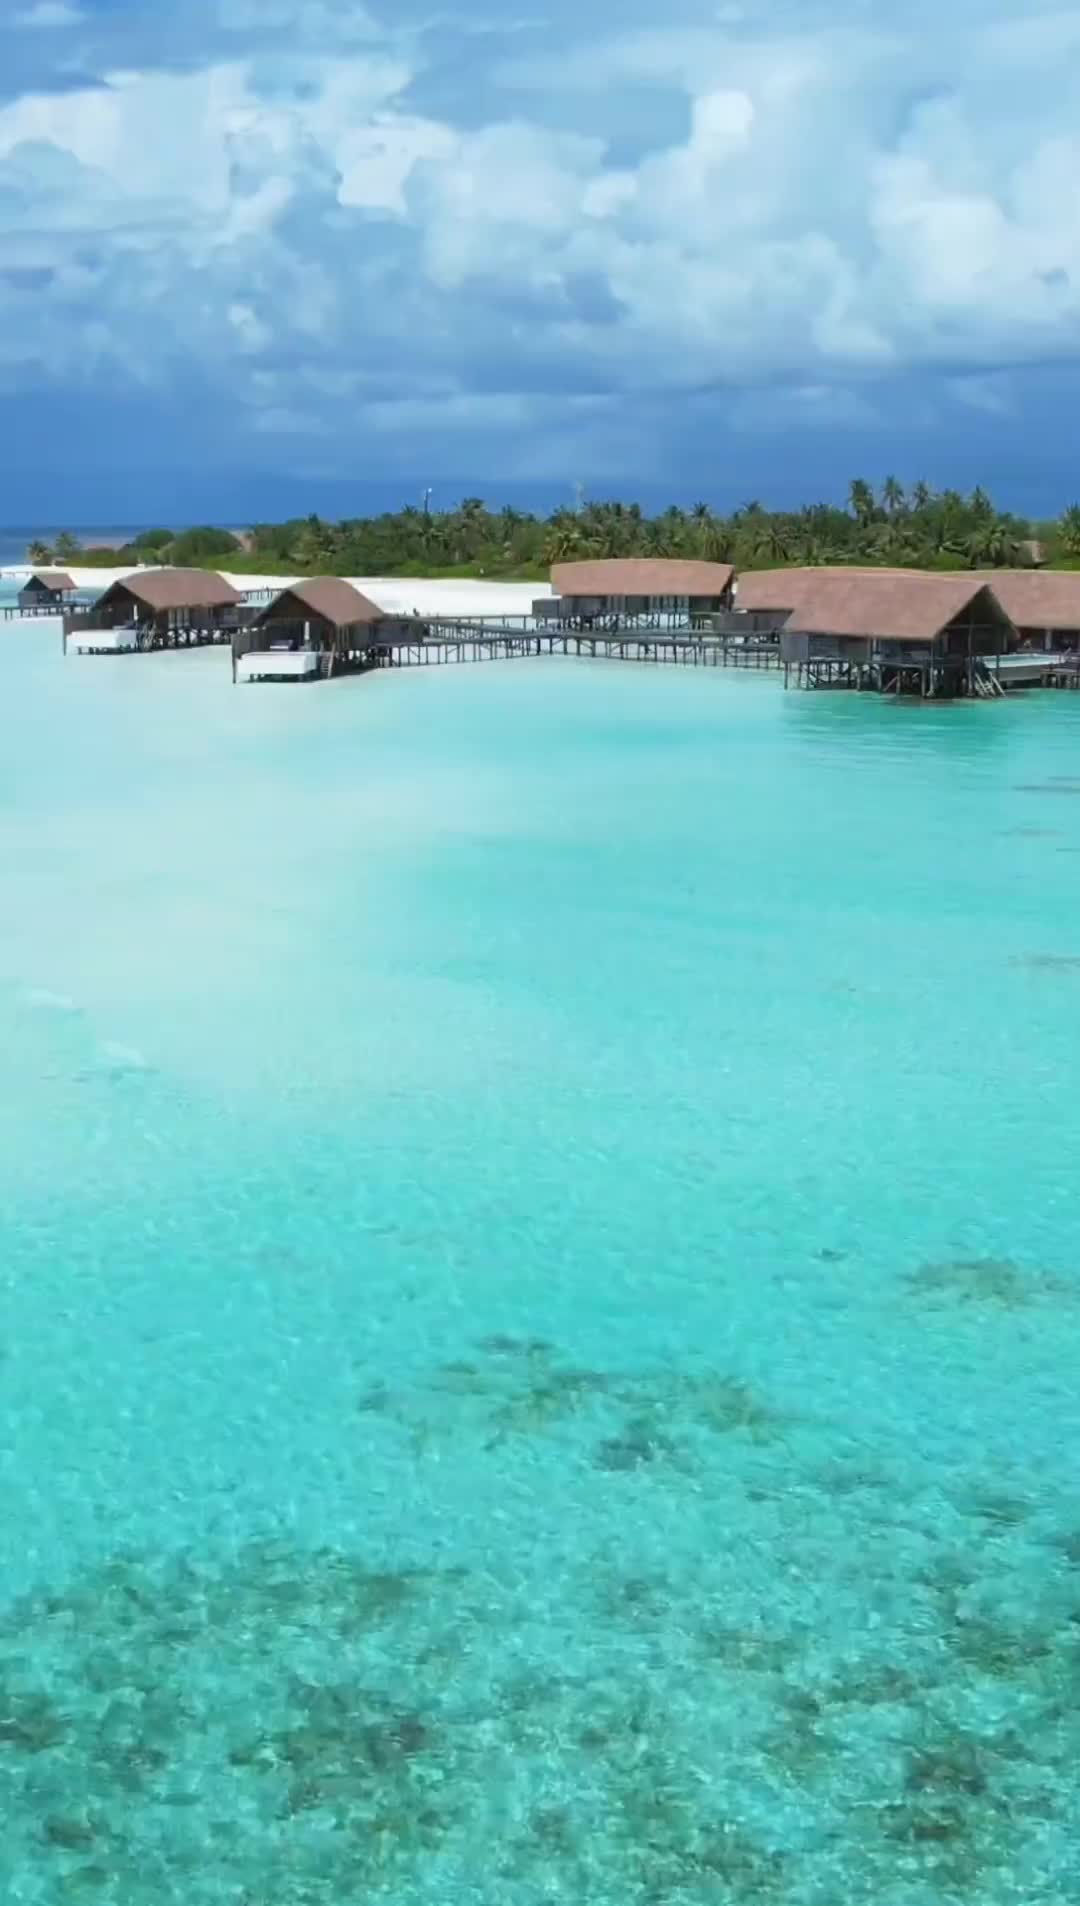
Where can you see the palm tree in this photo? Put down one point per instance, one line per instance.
(1069, 530)
(921, 495)
(816, 554)
(39, 553)
(992, 543)
(658, 539)
(315, 544)
(66, 547)
(622, 528)
(892, 495)
(769, 542)
(879, 543)
(861, 499)
(718, 542)
(565, 540)
(900, 546)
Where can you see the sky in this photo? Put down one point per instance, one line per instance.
(260, 256)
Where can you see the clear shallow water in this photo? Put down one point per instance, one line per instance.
(541, 1293)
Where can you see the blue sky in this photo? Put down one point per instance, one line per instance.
(261, 254)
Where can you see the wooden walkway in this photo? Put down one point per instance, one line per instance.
(446, 642)
(85, 636)
(11, 612)
(450, 642)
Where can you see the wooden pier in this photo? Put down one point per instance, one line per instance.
(689, 650)
(931, 635)
(88, 635)
(448, 641)
(986, 678)
(52, 611)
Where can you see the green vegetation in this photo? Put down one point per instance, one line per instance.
(916, 528)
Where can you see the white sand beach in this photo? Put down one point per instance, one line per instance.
(397, 595)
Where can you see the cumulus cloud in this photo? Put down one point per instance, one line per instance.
(291, 210)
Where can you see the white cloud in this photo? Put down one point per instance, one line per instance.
(801, 407)
(993, 395)
(841, 206)
(49, 13)
(378, 156)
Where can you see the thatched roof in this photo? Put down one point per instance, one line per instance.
(894, 605)
(328, 597)
(1037, 598)
(56, 581)
(641, 576)
(161, 589)
(761, 589)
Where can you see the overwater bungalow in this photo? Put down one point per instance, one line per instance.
(46, 592)
(1044, 606)
(316, 627)
(899, 632)
(154, 609)
(764, 599)
(636, 591)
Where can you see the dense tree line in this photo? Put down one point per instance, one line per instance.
(189, 548)
(916, 528)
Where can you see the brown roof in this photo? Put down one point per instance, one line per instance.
(330, 597)
(54, 579)
(640, 576)
(1037, 598)
(771, 588)
(776, 588)
(896, 605)
(159, 589)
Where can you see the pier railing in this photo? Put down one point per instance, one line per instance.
(14, 612)
(145, 633)
(421, 641)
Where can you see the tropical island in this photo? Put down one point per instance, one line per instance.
(917, 528)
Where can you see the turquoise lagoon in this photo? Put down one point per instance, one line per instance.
(541, 1290)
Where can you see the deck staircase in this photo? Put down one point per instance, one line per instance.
(986, 683)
